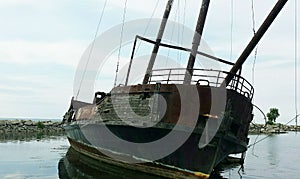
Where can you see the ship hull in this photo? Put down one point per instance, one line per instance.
(97, 128)
(78, 165)
(151, 170)
(188, 157)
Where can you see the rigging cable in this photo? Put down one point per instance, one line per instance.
(172, 33)
(178, 33)
(296, 73)
(231, 30)
(256, 49)
(265, 118)
(296, 56)
(148, 24)
(92, 47)
(272, 133)
(121, 41)
(183, 29)
(182, 34)
(178, 30)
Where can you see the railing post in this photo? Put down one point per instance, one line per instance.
(243, 84)
(150, 77)
(218, 79)
(131, 59)
(169, 76)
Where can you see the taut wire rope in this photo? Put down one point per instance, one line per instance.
(92, 47)
(121, 41)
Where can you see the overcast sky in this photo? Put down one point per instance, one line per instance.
(41, 43)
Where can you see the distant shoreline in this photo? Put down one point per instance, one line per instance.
(12, 125)
(272, 129)
(18, 127)
(27, 119)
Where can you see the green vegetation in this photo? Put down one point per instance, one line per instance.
(40, 125)
(272, 115)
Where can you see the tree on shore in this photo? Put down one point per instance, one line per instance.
(272, 115)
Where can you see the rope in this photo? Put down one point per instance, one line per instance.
(253, 17)
(253, 144)
(92, 47)
(296, 72)
(256, 49)
(183, 29)
(293, 119)
(172, 33)
(296, 55)
(178, 31)
(153, 12)
(182, 33)
(121, 41)
(148, 24)
(261, 111)
(231, 31)
(265, 118)
(259, 141)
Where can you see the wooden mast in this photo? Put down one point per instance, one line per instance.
(196, 41)
(158, 40)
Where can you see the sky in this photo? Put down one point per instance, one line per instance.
(42, 42)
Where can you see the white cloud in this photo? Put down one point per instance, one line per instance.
(13, 175)
(20, 47)
(17, 2)
(24, 52)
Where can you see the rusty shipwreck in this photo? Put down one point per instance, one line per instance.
(209, 109)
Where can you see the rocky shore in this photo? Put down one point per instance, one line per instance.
(15, 129)
(19, 128)
(269, 129)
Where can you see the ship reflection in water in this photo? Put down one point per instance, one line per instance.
(276, 157)
(76, 165)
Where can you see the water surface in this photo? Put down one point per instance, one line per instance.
(278, 156)
(32, 158)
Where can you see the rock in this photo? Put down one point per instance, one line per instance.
(48, 123)
(15, 122)
(3, 122)
(29, 123)
(57, 124)
(271, 131)
(262, 130)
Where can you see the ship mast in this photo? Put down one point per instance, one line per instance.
(196, 41)
(256, 38)
(158, 40)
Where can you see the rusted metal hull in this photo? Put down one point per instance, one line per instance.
(188, 157)
(150, 170)
(78, 165)
(86, 132)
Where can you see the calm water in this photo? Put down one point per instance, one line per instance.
(48, 157)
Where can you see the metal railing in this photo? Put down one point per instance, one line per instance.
(183, 49)
(204, 77)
